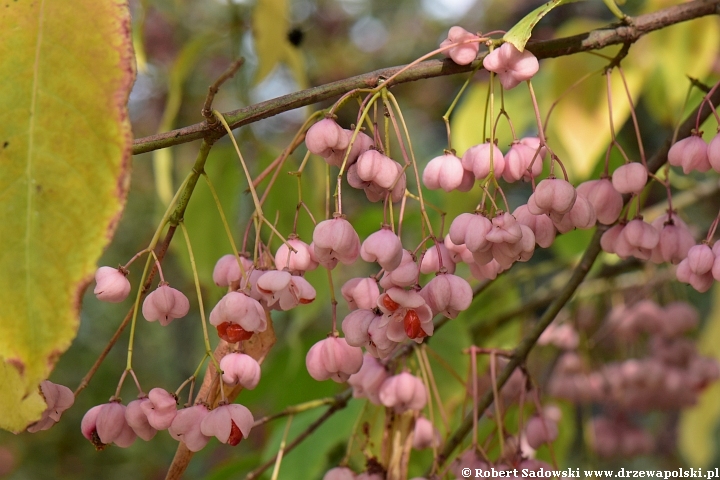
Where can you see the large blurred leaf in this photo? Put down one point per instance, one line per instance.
(184, 65)
(696, 430)
(270, 29)
(64, 149)
(574, 132)
(520, 33)
(668, 83)
(467, 123)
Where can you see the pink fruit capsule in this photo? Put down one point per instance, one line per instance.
(335, 240)
(690, 153)
(511, 65)
(552, 195)
(240, 369)
(326, 137)
(461, 54)
(445, 171)
(360, 293)
(541, 225)
(630, 178)
(186, 427)
(606, 201)
(164, 305)
(105, 424)
(522, 163)
(403, 392)
(477, 159)
(700, 259)
(228, 423)
(112, 284)
(383, 247)
(447, 294)
(334, 359)
(713, 152)
(366, 383)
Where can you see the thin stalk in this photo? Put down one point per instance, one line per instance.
(281, 451)
(446, 117)
(396, 106)
(206, 338)
(136, 307)
(218, 205)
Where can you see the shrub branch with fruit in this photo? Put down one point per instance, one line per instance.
(614, 342)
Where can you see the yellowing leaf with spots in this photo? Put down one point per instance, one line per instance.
(65, 145)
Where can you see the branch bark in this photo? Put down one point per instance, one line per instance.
(593, 40)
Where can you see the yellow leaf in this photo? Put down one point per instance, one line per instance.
(65, 145)
(696, 429)
(467, 121)
(270, 25)
(17, 408)
(687, 49)
(579, 126)
(183, 66)
(294, 60)
(270, 28)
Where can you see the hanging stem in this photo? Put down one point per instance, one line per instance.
(192, 377)
(446, 117)
(396, 106)
(256, 200)
(333, 303)
(206, 338)
(138, 296)
(279, 457)
(633, 114)
(473, 373)
(428, 55)
(218, 205)
(498, 408)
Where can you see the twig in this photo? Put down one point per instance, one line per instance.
(341, 402)
(295, 409)
(592, 40)
(126, 321)
(215, 87)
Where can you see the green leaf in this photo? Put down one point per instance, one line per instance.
(65, 145)
(520, 33)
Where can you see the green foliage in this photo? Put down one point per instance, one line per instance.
(63, 189)
(520, 33)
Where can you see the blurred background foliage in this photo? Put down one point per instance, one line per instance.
(182, 46)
